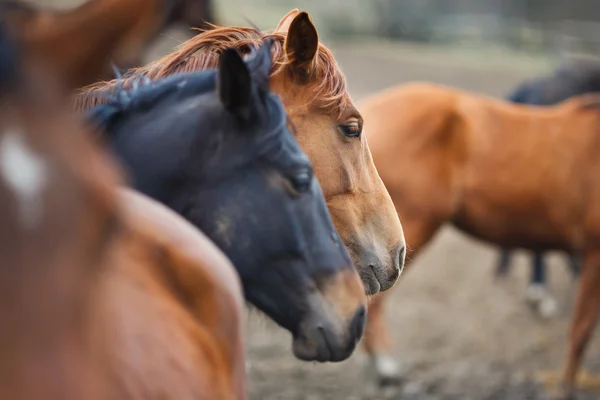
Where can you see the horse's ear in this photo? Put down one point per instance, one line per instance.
(259, 64)
(301, 42)
(235, 83)
(284, 24)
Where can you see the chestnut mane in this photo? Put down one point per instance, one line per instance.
(203, 52)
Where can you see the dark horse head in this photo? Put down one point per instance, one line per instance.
(215, 146)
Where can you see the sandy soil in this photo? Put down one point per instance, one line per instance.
(460, 334)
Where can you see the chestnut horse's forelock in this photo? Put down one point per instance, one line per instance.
(203, 52)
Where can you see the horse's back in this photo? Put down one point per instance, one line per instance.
(175, 308)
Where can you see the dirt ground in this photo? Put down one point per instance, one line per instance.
(459, 334)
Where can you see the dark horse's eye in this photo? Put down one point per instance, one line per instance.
(352, 129)
(301, 181)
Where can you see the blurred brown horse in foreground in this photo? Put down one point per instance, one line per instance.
(91, 278)
(327, 125)
(512, 175)
(134, 23)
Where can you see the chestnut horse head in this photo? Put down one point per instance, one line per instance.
(327, 126)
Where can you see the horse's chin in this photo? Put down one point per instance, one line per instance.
(371, 284)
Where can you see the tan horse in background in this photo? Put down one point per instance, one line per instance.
(512, 175)
(105, 295)
(328, 127)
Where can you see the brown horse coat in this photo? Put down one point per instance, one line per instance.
(60, 39)
(513, 175)
(174, 310)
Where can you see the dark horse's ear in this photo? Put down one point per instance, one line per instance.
(259, 64)
(235, 83)
(301, 43)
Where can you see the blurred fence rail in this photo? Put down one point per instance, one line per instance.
(556, 26)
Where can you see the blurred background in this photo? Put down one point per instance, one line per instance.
(459, 334)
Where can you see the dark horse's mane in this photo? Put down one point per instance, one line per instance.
(568, 80)
(141, 94)
(137, 93)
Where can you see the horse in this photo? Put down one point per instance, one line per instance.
(172, 309)
(512, 175)
(134, 23)
(55, 220)
(215, 147)
(327, 125)
(567, 80)
(93, 277)
(196, 15)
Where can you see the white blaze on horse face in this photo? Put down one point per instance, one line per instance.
(25, 173)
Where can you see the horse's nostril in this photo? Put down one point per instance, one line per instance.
(357, 325)
(400, 258)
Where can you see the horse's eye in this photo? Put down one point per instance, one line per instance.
(301, 181)
(352, 129)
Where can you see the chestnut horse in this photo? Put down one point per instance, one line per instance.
(103, 295)
(56, 219)
(215, 147)
(512, 175)
(171, 308)
(327, 125)
(134, 23)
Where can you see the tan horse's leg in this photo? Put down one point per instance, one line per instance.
(583, 322)
(377, 342)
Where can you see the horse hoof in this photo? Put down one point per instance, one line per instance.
(548, 308)
(544, 304)
(386, 370)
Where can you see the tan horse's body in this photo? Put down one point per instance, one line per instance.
(508, 174)
(104, 295)
(313, 90)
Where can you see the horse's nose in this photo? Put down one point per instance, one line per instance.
(357, 325)
(334, 326)
(380, 271)
(330, 346)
